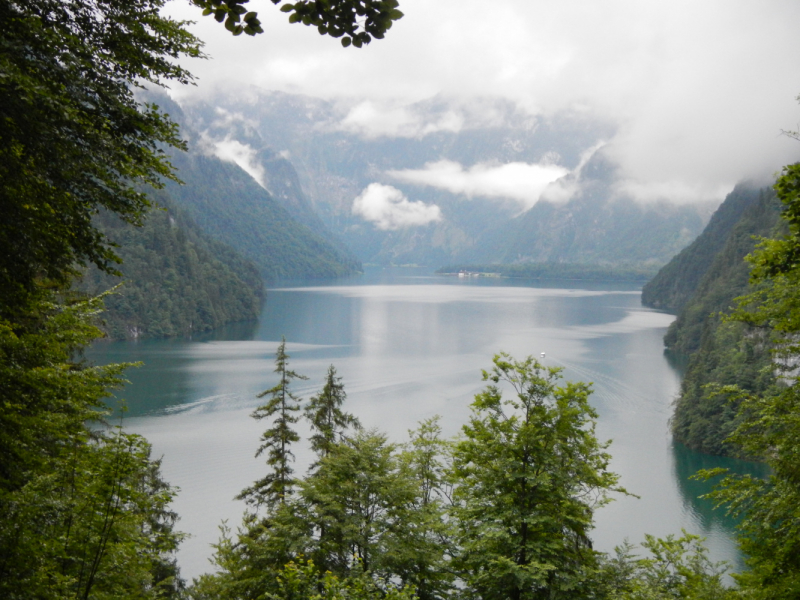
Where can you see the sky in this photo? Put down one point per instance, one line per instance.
(698, 92)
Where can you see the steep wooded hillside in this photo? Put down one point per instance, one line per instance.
(280, 234)
(721, 353)
(725, 278)
(677, 282)
(175, 279)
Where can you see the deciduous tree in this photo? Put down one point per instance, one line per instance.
(529, 474)
(74, 139)
(769, 424)
(356, 22)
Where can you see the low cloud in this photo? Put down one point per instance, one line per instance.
(371, 120)
(234, 151)
(672, 191)
(517, 181)
(389, 209)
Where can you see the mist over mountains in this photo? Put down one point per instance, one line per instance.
(444, 180)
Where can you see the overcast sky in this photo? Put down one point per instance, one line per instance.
(699, 90)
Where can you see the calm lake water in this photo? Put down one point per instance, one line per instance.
(410, 345)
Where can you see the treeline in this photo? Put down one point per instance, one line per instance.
(555, 270)
(503, 511)
(703, 282)
(175, 280)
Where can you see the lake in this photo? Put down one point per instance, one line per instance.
(410, 345)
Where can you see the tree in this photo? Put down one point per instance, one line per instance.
(328, 420)
(76, 503)
(675, 568)
(355, 21)
(73, 137)
(427, 458)
(281, 406)
(769, 424)
(363, 503)
(529, 474)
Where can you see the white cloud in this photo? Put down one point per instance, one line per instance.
(389, 209)
(673, 191)
(517, 181)
(698, 91)
(234, 151)
(372, 120)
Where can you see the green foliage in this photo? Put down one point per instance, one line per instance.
(276, 486)
(324, 412)
(730, 354)
(47, 396)
(368, 513)
(676, 568)
(177, 281)
(232, 208)
(770, 424)
(83, 513)
(73, 137)
(529, 474)
(769, 508)
(355, 21)
(726, 278)
(677, 282)
(362, 499)
(302, 580)
(721, 353)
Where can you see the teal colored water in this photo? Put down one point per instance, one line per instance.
(410, 345)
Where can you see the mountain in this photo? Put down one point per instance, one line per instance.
(594, 227)
(281, 235)
(727, 275)
(176, 280)
(705, 279)
(677, 282)
(463, 164)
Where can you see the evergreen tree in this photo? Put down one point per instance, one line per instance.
(529, 474)
(281, 406)
(83, 513)
(324, 412)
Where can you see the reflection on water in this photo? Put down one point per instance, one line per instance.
(686, 464)
(409, 346)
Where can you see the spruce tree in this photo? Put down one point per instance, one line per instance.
(281, 406)
(324, 412)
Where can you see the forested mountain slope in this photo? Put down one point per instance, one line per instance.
(230, 206)
(677, 282)
(280, 234)
(726, 276)
(721, 353)
(176, 280)
(620, 233)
